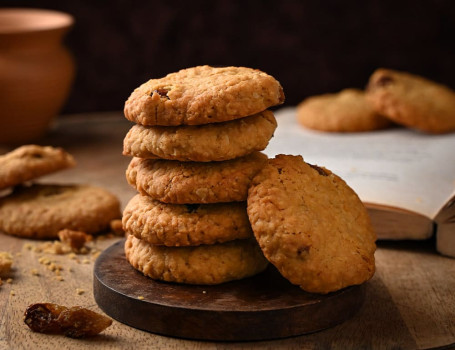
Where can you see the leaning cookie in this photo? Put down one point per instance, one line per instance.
(345, 111)
(412, 101)
(203, 95)
(185, 225)
(202, 143)
(41, 211)
(177, 182)
(205, 264)
(31, 161)
(311, 225)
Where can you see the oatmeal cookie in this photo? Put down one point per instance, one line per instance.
(311, 225)
(202, 143)
(41, 211)
(203, 95)
(177, 182)
(184, 225)
(31, 161)
(205, 264)
(345, 111)
(412, 101)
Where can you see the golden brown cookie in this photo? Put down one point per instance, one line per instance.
(205, 264)
(311, 225)
(41, 211)
(171, 181)
(31, 161)
(345, 111)
(202, 143)
(184, 225)
(203, 95)
(412, 101)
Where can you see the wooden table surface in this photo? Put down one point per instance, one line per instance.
(409, 304)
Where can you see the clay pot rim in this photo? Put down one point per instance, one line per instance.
(27, 20)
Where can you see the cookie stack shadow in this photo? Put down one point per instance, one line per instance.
(195, 148)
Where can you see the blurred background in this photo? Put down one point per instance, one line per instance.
(311, 47)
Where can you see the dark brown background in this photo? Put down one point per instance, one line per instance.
(311, 47)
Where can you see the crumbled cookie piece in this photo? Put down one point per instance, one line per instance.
(6, 261)
(76, 240)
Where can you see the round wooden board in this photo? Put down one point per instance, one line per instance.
(262, 307)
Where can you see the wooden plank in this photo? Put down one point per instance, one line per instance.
(409, 303)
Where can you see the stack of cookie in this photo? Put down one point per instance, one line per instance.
(196, 147)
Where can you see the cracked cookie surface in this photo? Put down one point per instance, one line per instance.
(412, 101)
(311, 225)
(28, 162)
(195, 182)
(185, 225)
(202, 143)
(205, 264)
(203, 95)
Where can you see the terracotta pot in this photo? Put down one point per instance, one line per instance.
(36, 72)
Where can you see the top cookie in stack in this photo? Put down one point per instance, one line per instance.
(196, 147)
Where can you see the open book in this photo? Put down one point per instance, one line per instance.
(405, 178)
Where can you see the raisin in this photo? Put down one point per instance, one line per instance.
(74, 322)
(320, 170)
(162, 92)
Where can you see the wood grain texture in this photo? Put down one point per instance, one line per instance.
(409, 303)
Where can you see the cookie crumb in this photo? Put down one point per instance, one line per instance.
(6, 260)
(54, 247)
(12, 293)
(34, 272)
(9, 280)
(59, 278)
(140, 297)
(76, 240)
(28, 246)
(80, 291)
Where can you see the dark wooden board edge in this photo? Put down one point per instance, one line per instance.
(214, 324)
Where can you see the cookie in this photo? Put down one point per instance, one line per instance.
(177, 182)
(205, 264)
(345, 111)
(31, 161)
(412, 101)
(311, 225)
(203, 95)
(41, 211)
(184, 225)
(202, 143)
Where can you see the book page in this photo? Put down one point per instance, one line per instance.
(396, 167)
